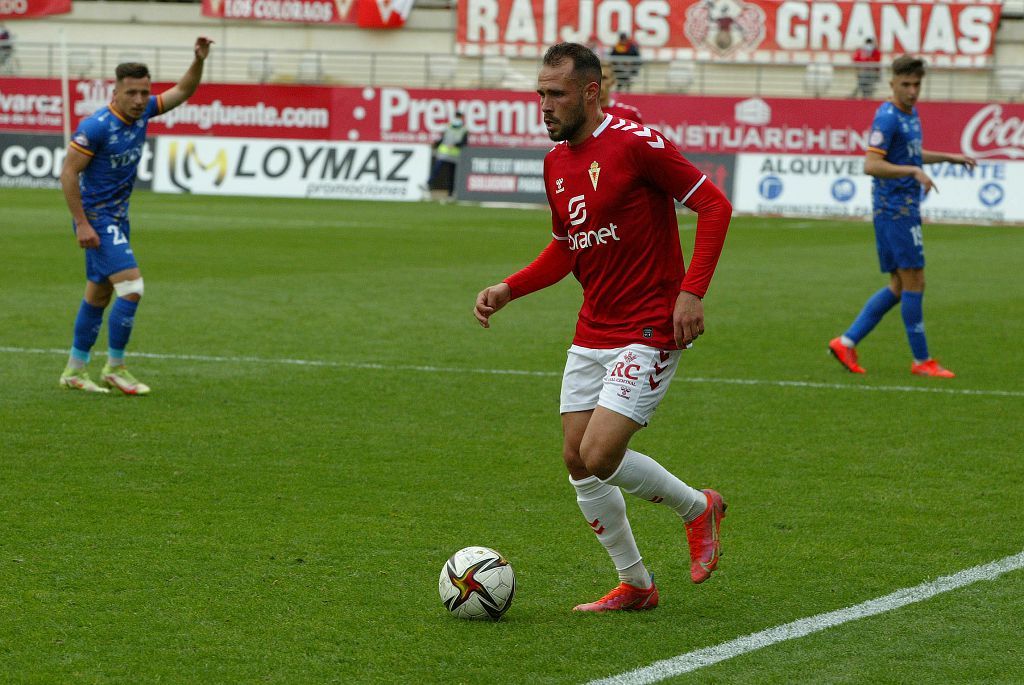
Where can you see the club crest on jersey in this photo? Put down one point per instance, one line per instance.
(595, 172)
(559, 186)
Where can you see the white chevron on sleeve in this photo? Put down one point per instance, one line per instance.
(645, 132)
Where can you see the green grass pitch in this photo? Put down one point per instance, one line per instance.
(259, 520)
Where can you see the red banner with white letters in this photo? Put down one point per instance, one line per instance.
(27, 9)
(946, 32)
(371, 14)
(295, 11)
(716, 125)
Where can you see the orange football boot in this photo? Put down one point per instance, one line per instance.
(702, 536)
(624, 598)
(931, 368)
(847, 356)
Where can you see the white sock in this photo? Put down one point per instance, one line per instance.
(636, 575)
(643, 477)
(604, 507)
(75, 363)
(847, 342)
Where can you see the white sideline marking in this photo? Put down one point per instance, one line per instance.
(692, 661)
(521, 372)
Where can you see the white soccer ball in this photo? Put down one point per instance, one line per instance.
(477, 582)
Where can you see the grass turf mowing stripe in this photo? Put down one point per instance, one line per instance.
(692, 661)
(522, 372)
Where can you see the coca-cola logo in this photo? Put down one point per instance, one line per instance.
(989, 134)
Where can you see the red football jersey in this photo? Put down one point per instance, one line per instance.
(612, 204)
(623, 111)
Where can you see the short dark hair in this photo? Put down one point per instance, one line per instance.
(131, 70)
(908, 65)
(586, 67)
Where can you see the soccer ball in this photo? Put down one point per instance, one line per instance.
(477, 582)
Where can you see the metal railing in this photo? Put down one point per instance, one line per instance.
(424, 70)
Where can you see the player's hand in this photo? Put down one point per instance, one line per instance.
(688, 318)
(968, 162)
(925, 180)
(490, 300)
(203, 48)
(86, 235)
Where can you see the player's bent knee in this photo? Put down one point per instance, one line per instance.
(572, 460)
(600, 462)
(132, 287)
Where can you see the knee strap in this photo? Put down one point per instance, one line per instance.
(132, 287)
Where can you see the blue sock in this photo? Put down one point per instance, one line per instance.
(913, 319)
(122, 318)
(874, 309)
(87, 329)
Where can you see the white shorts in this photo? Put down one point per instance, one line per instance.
(628, 380)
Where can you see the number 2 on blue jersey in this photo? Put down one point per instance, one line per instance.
(119, 238)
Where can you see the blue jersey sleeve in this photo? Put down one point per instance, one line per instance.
(883, 130)
(89, 137)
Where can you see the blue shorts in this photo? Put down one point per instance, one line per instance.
(114, 253)
(899, 243)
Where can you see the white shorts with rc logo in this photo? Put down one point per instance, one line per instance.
(628, 380)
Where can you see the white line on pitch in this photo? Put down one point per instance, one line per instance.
(547, 374)
(692, 661)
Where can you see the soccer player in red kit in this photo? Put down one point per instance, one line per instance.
(611, 184)
(617, 109)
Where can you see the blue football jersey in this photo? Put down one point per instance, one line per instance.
(114, 142)
(896, 135)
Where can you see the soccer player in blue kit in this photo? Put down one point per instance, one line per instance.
(97, 178)
(894, 158)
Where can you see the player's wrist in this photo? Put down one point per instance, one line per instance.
(686, 290)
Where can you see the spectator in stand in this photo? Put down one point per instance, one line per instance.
(613, 107)
(6, 46)
(625, 58)
(596, 47)
(868, 59)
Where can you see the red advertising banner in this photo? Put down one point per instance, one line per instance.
(26, 9)
(946, 32)
(694, 123)
(716, 125)
(383, 14)
(297, 11)
(216, 109)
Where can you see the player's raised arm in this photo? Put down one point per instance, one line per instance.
(187, 85)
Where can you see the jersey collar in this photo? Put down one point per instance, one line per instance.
(117, 113)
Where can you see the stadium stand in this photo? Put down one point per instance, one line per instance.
(425, 56)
